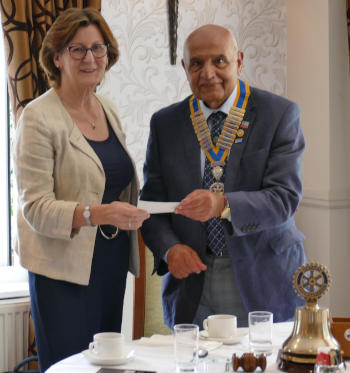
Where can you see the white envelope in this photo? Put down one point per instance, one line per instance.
(157, 207)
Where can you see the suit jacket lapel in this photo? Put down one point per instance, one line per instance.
(192, 150)
(76, 137)
(237, 149)
(116, 127)
(78, 140)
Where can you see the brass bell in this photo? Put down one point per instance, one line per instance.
(311, 324)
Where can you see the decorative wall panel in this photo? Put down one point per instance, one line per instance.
(144, 81)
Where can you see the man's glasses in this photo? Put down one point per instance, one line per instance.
(79, 52)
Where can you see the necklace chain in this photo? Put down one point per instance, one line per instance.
(217, 153)
(91, 122)
(228, 134)
(225, 141)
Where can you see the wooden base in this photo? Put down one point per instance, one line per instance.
(288, 366)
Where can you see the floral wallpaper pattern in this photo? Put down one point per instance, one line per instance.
(143, 80)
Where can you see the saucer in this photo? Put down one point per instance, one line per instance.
(236, 338)
(95, 359)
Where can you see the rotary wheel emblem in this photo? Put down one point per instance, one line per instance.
(311, 281)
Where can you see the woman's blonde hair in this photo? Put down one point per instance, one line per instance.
(62, 32)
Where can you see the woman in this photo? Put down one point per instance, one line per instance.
(77, 226)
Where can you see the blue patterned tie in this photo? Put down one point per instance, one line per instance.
(215, 230)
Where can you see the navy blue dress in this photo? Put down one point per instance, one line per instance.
(67, 315)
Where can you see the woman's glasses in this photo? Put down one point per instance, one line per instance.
(78, 52)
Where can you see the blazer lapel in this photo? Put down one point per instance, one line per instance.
(77, 139)
(114, 122)
(237, 149)
(192, 151)
(116, 127)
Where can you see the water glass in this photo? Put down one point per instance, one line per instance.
(329, 360)
(339, 368)
(186, 347)
(260, 332)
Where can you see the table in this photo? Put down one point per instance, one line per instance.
(161, 359)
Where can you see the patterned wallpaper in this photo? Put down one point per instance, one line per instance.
(143, 80)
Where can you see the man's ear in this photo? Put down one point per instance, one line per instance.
(240, 57)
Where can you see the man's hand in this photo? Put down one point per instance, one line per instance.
(201, 205)
(182, 261)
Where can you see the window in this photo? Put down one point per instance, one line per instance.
(5, 167)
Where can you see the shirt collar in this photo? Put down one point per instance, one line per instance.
(225, 107)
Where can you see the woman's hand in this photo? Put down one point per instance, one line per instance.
(120, 214)
(125, 216)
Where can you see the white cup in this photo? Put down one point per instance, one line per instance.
(260, 332)
(220, 326)
(107, 345)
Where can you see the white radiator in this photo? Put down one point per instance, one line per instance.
(14, 329)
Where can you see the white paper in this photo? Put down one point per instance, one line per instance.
(157, 207)
(158, 340)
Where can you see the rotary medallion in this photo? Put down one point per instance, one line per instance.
(311, 281)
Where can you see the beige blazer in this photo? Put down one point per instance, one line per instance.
(56, 169)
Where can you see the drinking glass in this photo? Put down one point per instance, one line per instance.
(260, 332)
(328, 360)
(186, 347)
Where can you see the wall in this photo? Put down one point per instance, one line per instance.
(143, 80)
(318, 79)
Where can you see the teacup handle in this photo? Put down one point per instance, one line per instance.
(205, 324)
(92, 347)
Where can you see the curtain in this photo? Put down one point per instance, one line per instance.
(25, 24)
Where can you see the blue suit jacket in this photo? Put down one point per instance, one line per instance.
(263, 186)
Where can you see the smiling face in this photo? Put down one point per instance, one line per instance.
(212, 64)
(87, 72)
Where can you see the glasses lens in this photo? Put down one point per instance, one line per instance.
(77, 52)
(99, 50)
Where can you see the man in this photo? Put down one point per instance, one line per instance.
(232, 245)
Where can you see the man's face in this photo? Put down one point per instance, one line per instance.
(212, 65)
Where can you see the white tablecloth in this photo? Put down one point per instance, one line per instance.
(161, 359)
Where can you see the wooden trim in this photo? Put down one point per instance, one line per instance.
(173, 6)
(140, 294)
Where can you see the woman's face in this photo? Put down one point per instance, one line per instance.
(89, 70)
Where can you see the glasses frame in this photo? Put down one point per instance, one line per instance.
(86, 50)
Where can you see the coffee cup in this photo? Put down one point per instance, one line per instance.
(107, 345)
(220, 326)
